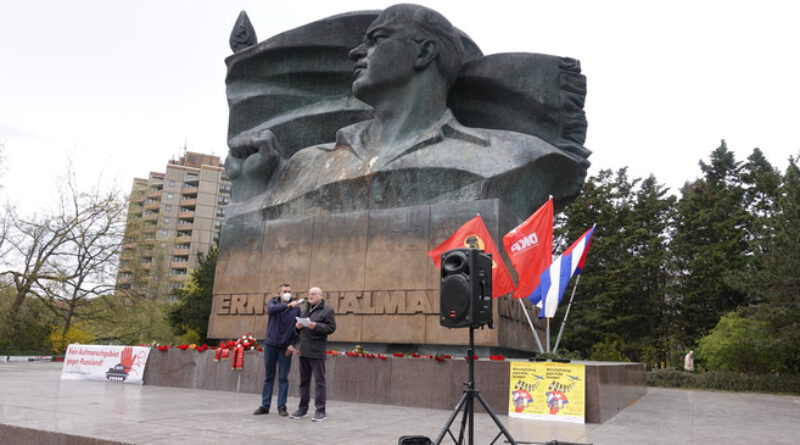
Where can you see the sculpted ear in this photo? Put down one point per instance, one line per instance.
(428, 51)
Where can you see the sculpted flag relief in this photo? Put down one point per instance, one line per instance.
(372, 129)
(475, 235)
(530, 248)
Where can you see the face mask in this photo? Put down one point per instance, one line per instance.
(286, 296)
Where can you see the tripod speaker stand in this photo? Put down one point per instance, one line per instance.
(467, 404)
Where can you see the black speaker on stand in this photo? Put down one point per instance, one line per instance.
(466, 289)
(466, 302)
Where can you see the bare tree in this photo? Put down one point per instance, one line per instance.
(64, 258)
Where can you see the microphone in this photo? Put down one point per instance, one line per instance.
(301, 301)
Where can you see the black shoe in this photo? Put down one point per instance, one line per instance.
(299, 414)
(282, 411)
(319, 417)
(261, 410)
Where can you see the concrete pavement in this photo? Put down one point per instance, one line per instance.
(37, 407)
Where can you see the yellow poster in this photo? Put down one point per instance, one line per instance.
(547, 391)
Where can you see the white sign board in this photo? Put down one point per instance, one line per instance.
(123, 364)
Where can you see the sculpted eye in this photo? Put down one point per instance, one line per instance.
(377, 38)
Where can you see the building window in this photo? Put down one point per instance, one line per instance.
(166, 219)
(170, 195)
(224, 200)
(172, 184)
(167, 208)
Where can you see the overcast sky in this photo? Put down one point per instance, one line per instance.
(121, 86)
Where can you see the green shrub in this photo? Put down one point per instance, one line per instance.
(725, 381)
(742, 345)
(609, 350)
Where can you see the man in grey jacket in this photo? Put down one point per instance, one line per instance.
(313, 341)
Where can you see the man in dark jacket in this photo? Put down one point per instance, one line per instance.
(317, 323)
(278, 341)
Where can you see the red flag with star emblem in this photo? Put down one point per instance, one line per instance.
(530, 248)
(474, 234)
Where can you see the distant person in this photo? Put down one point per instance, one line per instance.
(281, 334)
(688, 362)
(313, 340)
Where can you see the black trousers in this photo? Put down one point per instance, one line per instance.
(315, 367)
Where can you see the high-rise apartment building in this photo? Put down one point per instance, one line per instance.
(172, 216)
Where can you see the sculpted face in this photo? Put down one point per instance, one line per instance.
(385, 60)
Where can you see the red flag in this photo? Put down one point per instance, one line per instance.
(475, 234)
(530, 248)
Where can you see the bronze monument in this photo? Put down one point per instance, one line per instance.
(360, 142)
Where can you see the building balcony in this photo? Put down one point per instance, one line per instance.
(186, 215)
(179, 264)
(153, 205)
(150, 217)
(189, 202)
(154, 194)
(184, 227)
(189, 190)
(180, 252)
(183, 239)
(124, 280)
(178, 278)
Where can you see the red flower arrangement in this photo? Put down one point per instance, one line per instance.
(202, 348)
(182, 347)
(399, 354)
(162, 347)
(247, 342)
(496, 358)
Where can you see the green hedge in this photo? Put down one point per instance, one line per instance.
(726, 381)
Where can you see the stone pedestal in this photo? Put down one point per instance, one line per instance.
(372, 265)
(414, 382)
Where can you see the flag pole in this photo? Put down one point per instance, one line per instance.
(566, 314)
(547, 334)
(533, 330)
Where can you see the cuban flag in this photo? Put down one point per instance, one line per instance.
(554, 280)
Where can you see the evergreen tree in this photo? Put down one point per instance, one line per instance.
(774, 281)
(194, 307)
(710, 245)
(621, 291)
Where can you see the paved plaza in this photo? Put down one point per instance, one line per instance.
(34, 399)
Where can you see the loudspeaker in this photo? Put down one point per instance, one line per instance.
(465, 294)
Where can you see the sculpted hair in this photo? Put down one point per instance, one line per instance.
(436, 27)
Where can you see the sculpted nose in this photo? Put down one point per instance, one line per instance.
(357, 53)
